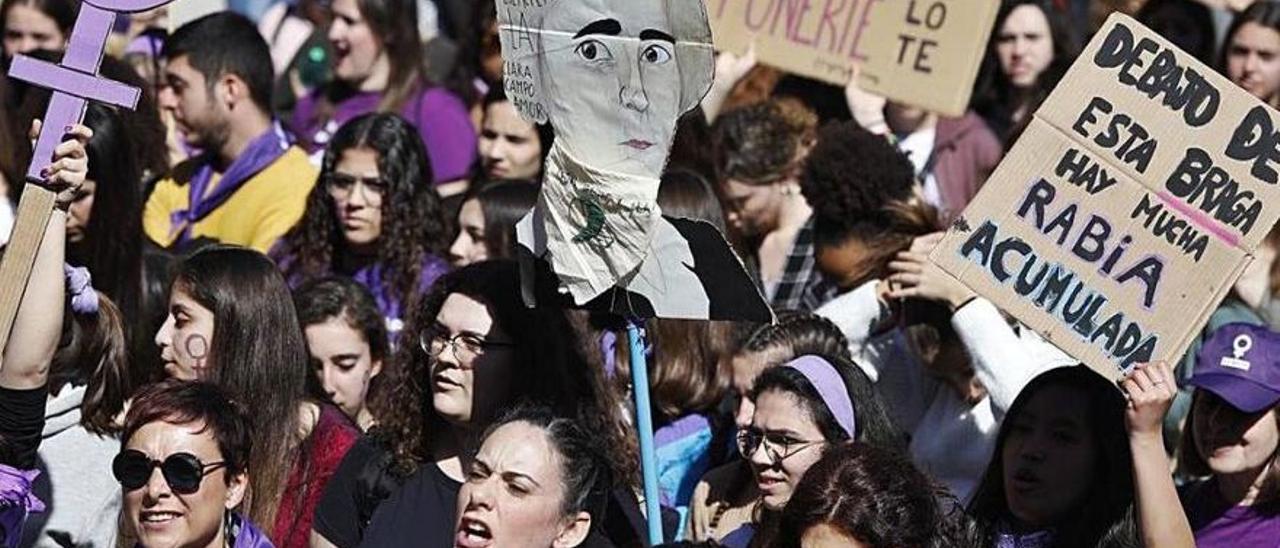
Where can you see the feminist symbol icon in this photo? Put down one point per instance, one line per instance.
(76, 80)
(1239, 347)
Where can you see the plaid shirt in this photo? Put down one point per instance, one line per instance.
(802, 286)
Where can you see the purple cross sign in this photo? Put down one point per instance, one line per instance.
(76, 79)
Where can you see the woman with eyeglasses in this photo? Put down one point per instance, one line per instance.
(232, 322)
(477, 351)
(802, 408)
(374, 217)
(184, 468)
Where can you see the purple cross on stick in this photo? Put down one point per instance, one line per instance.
(74, 81)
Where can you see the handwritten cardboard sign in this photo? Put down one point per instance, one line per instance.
(920, 52)
(926, 53)
(1129, 207)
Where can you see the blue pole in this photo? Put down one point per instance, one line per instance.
(644, 424)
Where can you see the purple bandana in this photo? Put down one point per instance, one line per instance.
(16, 502)
(830, 385)
(261, 152)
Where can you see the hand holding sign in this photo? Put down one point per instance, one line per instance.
(74, 81)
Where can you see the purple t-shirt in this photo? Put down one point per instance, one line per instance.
(440, 116)
(1218, 523)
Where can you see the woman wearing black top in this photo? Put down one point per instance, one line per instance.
(470, 350)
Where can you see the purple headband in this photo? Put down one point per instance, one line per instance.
(831, 388)
(84, 300)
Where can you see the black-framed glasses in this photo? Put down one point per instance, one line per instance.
(344, 184)
(778, 447)
(182, 471)
(466, 346)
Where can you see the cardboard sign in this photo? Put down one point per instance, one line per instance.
(1128, 208)
(920, 52)
(926, 53)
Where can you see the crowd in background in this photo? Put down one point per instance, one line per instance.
(279, 304)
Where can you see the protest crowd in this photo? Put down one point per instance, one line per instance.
(296, 297)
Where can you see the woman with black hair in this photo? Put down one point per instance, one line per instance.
(538, 478)
(487, 221)
(374, 216)
(510, 147)
(378, 66)
(1078, 464)
(861, 495)
(471, 349)
(1031, 48)
(232, 322)
(347, 339)
(36, 24)
(1251, 52)
(802, 409)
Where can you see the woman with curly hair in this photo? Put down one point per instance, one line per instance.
(471, 350)
(374, 217)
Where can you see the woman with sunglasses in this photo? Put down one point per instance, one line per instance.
(375, 217)
(802, 408)
(232, 322)
(184, 468)
(478, 350)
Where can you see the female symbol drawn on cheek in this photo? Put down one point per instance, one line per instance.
(197, 348)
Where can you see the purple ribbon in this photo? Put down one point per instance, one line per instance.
(84, 299)
(261, 152)
(16, 502)
(831, 388)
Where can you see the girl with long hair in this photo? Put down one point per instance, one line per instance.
(232, 322)
(1031, 48)
(472, 348)
(36, 24)
(347, 339)
(1250, 54)
(378, 66)
(802, 409)
(1080, 464)
(374, 217)
(510, 147)
(725, 497)
(487, 221)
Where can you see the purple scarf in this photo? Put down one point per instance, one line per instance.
(16, 503)
(371, 277)
(261, 152)
(244, 534)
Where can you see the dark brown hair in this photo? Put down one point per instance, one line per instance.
(870, 494)
(183, 402)
(95, 353)
(763, 142)
(257, 355)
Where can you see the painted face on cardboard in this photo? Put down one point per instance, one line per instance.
(1231, 441)
(613, 77)
(1048, 457)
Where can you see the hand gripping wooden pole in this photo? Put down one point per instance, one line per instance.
(74, 81)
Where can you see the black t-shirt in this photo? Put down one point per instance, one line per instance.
(360, 484)
(421, 513)
(21, 423)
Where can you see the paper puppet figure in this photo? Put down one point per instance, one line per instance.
(612, 77)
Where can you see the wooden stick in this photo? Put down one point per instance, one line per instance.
(34, 210)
